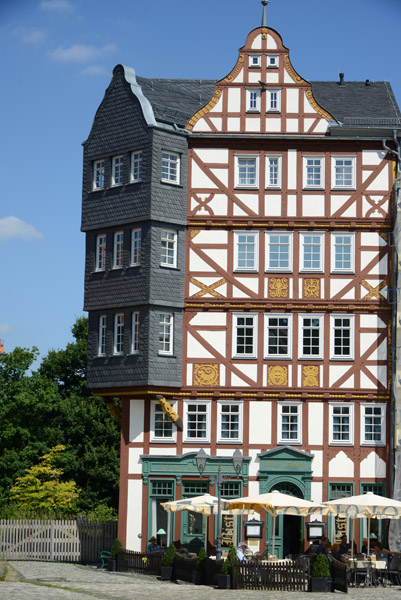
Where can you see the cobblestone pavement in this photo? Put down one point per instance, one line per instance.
(60, 581)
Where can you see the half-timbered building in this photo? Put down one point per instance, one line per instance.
(238, 283)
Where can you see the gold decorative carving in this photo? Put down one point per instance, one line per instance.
(169, 411)
(206, 374)
(318, 108)
(311, 288)
(373, 292)
(277, 375)
(208, 289)
(310, 374)
(291, 71)
(204, 110)
(264, 33)
(278, 287)
(236, 69)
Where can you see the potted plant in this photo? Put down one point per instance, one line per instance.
(198, 576)
(112, 561)
(166, 570)
(320, 576)
(224, 578)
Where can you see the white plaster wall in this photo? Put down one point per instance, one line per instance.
(292, 170)
(211, 237)
(134, 514)
(272, 205)
(312, 205)
(291, 205)
(372, 157)
(167, 451)
(213, 155)
(136, 420)
(373, 466)
(254, 465)
(366, 340)
(336, 371)
(292, 100)
(317, 463)
(371, 239)
(233, 124)
(253, 488)
(219, 205)
(370, 321)
(273, 125)
(219, 256)
(134, 462)
(221, 173)
(209, 318)
(196, 263)
(200, 179)
(315, 423)
(336, 285)
(260, 422)
(189, 373)
(381, 181)
(341, 466)
(317, 491)
(292, 125)
(195, 349)
(217, 339)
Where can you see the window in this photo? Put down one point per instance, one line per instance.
(273, 171)
(342, 253)
(136, 246)
(197, 421)
(100, 253)
(162, 428)
(117, 170)
(342, 337)
(340, 490)
(166, 333)
(168, 250)
(229, 421)
(101, 349)
(245, 335)
(118, 334)
(246, 171)
(313, 172)
(245, 251)
(289, 423)
(136, 166)
(170, 167)
(273, 100)
(253, 100)
(278, 251)
(255, 60)
(341, 424)
(373, 429)
(343, 172)
(98, 174)
(118, 251)
(311, 336)
(272, 62)
(278, 336)
(311, 255)
(135, 333)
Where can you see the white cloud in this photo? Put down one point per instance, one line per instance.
(56, 5)
(12, 227)
(81, 52)
(30, 35)
(95, 70)
(5, 328)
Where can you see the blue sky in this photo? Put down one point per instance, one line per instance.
(57, 60)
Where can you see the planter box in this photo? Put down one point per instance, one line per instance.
(198, 577)
(320, 584)
(223, 581)
(111, 564)
(166, 573)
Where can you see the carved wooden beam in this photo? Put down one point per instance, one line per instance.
(169, 411)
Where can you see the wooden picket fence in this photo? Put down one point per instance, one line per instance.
(77, 540)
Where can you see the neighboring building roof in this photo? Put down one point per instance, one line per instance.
(353, 103)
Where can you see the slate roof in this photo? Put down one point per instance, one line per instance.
(353, 103)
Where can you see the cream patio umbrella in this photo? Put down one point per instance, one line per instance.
(277, 503)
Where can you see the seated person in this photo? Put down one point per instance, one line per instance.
(320, 547)
(364, 549)
(344, 546)
(335, 553)
(241, 549)
(153, 546)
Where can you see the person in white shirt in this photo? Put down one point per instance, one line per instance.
(241, 549)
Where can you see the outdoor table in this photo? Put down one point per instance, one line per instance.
(365, 567)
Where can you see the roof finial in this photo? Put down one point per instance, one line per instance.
(264, 17)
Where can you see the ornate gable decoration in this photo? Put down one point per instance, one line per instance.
(262, 94)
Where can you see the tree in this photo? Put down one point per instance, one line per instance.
(41, 493)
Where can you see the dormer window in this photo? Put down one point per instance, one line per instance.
(253, 100)
(272, 62)
(255, 61)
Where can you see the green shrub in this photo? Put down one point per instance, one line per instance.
(201, 560)
(230, 562)
(321, 567)
(115, 548)
(169, 557)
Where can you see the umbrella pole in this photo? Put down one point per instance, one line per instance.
(368, 535)
(352, 537)
(274, 535)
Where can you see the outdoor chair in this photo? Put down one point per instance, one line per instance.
(392, 576)
(104, 556)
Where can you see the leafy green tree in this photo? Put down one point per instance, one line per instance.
(41, 492)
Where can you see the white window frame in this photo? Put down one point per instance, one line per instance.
(238, 243)
(302, 236)
(382, 441)
(161, 439)
(247, 157)
(118, 244)
(301, 326)
(99, 174)
(268, 159)
(100, 260)
(170, 167)
(315, 157)
(273, 97)
(267, 318)
(280, 438)
(253, 100)
(136, 166)
(230, 440)
(136, 247)
(186, 404)
(351, 407)
(117, 168)
(118, 334)
(279, 269)
(170, 243)
(272, 65)
(336, 186)
(255, 61)
(168, 331)
(135, 332)
(102, 333)
(352, 337)
(254, 318)
(334, 237)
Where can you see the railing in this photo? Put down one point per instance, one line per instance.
(147, 563)
(290, 576)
